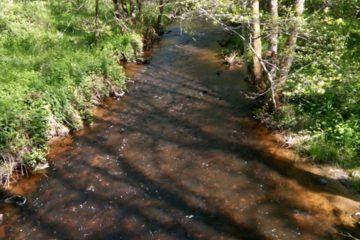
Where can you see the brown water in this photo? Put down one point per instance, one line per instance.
(179, 157)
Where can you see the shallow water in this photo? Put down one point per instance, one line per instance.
(179, 157)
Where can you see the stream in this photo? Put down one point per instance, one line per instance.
(179, 157)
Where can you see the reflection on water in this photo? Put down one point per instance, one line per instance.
(179, 158)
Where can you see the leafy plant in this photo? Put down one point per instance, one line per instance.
(51, 66)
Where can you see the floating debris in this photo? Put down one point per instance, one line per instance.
(41, 167)
(118, 94)
(18, 200)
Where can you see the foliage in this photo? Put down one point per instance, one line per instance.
(323, 88)
(52, 65)
(320, 97)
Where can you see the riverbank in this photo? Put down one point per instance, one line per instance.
(181, 157)
(300, 128)
(55, 67)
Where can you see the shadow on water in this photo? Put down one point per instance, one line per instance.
(181, 158)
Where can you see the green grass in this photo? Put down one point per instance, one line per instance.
(51, 66)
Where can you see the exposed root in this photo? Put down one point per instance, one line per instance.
(9, 164)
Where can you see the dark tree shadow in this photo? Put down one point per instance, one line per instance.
(179, 158)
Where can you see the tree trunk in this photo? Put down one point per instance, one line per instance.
(272, 53)
(291, 42)
(97, 30)
(244, 33)
(274, 32)
(161, 13)
(256, 44)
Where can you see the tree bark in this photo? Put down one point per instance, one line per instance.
(274, 32)
(256, 44)
(272, 53)
(288, 59)
(245, 34)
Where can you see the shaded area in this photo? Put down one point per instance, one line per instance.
(180, 158)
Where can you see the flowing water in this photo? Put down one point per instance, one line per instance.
(179, 157)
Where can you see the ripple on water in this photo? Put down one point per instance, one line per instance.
(179, 157)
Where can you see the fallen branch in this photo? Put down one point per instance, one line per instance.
(349, 236)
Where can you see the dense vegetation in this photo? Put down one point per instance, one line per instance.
(304, 60)
(58, 59)
(319, 100)
(321, 96)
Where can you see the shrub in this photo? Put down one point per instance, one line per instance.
(323, 89)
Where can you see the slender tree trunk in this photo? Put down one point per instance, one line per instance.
(244, 33)
(274, 32)
(272, 54)
(160, 17)
(97, 30)
(256, 44)
(291, 42)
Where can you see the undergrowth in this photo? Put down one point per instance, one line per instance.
(53, 67)
(321, 97)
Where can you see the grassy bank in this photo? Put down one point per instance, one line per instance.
(53, 68)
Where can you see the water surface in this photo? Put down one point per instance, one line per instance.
(179, 157)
